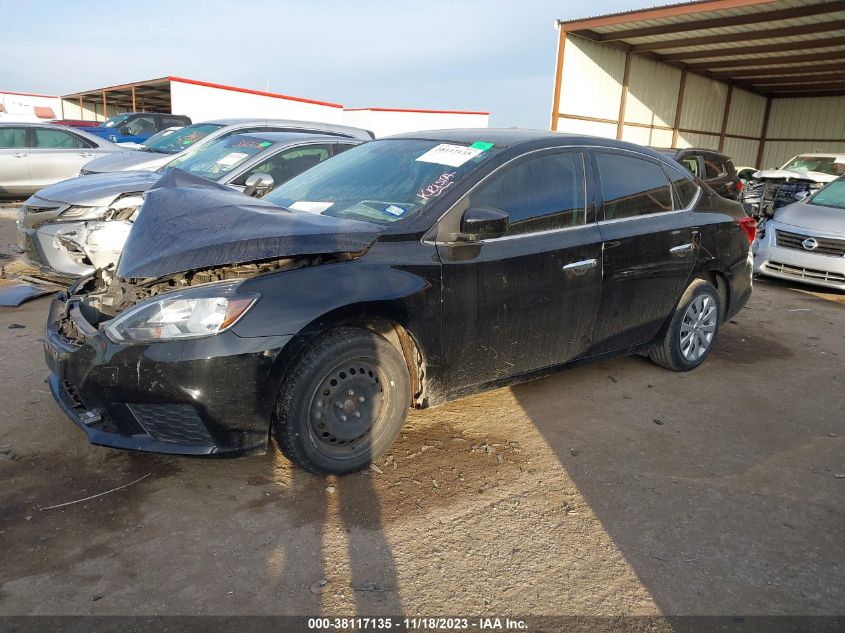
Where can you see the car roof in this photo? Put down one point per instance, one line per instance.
(512, 137)
(292, 137)
(671, 151)
(314, 125)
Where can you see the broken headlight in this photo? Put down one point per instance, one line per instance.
(179, 315)
(82, 213)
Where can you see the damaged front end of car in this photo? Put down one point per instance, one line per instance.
(149, 356)
(763, 195)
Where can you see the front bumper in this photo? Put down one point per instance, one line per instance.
(794, 264)
(209, 396)
(36, 240)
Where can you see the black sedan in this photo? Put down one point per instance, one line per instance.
(405, 272)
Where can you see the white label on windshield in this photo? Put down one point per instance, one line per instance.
(310, 207)
(451, 155)
(231, 159)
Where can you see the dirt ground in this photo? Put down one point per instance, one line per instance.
(617, 488)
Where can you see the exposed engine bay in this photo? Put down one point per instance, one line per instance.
(103, 295)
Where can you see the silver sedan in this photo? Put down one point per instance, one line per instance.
(805, 241)
(35, 155)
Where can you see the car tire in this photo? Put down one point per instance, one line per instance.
(343, 403)
(692, 331)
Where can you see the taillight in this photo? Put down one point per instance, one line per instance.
(749, 225)
(739, 186)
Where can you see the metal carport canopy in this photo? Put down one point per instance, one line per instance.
(779, 48)
(777, 51)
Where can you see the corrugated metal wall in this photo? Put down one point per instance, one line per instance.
(813, 124)
(590, 97)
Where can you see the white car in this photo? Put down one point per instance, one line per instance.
(805, 241)
(770, 189)
(157, 153)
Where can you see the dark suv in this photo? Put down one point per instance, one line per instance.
(137, 127)
(716, 169)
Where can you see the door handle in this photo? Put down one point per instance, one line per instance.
(86, 154)
(682, 250)
(579, 268)
(20, 155)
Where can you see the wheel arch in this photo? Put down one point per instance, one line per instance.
(378, 318)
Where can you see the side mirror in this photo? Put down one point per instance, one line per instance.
(484, 223)
(258, 184)
(802, 195)
(124, 130)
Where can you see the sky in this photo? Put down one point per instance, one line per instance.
(495, 56)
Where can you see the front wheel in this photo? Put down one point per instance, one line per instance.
(692, 330)
(343, 403)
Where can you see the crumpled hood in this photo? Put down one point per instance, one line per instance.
(126, 160)
(98, 190)
(811, 216)
(815, 176)
(188, 223)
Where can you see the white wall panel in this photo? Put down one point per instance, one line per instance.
(743, 152)
(590, 128)
(698, 140)
(811, 117)
(704, 104)
(647, 136)
(591, 82)
(652, 92)
(747, 113)
(203, 103)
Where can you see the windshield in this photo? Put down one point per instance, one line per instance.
(831, 196)
(381, 181)
(218, 158)
(177, 140)
(830, 165)
(117, 119)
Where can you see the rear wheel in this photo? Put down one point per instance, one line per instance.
(692, 330)
(344, 402)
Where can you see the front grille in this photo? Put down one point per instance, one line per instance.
(806, 273)
(826, 245)
(172, 423)
(31, 251)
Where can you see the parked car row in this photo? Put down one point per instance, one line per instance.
(386, 274)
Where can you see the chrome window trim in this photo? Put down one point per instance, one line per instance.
(581, 148)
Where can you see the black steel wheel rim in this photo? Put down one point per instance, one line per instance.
(347, 405)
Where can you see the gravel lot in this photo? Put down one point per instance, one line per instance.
(617, 488)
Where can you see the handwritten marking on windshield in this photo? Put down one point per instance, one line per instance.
(438, 186)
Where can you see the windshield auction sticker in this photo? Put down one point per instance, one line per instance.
(231, 159)
(451, 155)
(310, 207)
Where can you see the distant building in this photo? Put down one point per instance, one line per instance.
(202, 101)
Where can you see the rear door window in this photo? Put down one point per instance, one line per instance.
(632, 186)
(543, 193)
(57, 139)
(12, 138)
